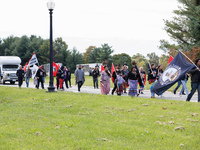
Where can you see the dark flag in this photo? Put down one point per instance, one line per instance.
(178, 67)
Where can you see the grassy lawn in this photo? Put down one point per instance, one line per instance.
(34, 119)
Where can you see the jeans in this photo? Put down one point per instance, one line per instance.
(184, 87)
(195, 86)
(69, 82)
(27, 81)
(66, 83)
(179, 84)
(95, 81)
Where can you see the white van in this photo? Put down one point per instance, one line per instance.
(8, 68)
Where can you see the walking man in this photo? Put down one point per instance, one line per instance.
(195, 80)
(20, 75)
(28, 76)
(79, 77)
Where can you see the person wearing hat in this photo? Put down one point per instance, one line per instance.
(40, 75)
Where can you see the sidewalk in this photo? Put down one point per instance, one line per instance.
(87, 89)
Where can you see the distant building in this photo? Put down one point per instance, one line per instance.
(86, 67)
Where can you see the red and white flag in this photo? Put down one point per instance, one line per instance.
(32, 61)
(55, 69)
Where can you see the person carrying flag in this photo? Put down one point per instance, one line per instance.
(152, 73)
(114, 76)
(195, 80)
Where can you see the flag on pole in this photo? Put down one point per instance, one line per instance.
(55, 69)
(25, 66)
(178, 67)
(102, 68)
(33, 60)
(170, 59)
(112, 71)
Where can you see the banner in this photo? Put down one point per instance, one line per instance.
(178, 67)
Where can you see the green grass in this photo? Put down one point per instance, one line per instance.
(34, 119)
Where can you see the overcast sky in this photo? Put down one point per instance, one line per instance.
(129, 26)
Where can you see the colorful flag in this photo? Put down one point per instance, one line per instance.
(170, 59)
(112, 71)
(55, 69)
(25, 66)
(178, 67)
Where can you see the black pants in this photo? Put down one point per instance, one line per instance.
(20, 81)
(66, 83)
(40, 80)
(95, 82)
(80, 83)
(195, 86)
(57, 81)
(115, 87)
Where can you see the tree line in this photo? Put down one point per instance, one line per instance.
(25, 46)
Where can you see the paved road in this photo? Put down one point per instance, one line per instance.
(87, 89)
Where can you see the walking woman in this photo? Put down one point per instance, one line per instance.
(125, 76)
(132, 81)
(152, 72)
(105, 81)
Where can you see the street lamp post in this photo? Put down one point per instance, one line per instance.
(51, 6)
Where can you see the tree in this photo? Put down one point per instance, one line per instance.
(153, 58)
(184, 29)
(121, 58)
(141, 61)
(44, 53)
(74, 58)
(94, 55)
(163, 60)
(22, 49)
(61, 51)
(87, 54)
(105, 53)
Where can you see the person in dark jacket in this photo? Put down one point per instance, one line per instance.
(95, 75)
(61, 77)
(133, 77)
(40, 75)
(28, 75)
(65, 76)
(195, 80)
(152, 75)
(115, 78)
(69, 77)
(20, 75)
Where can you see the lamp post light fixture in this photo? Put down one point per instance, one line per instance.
(51, 5)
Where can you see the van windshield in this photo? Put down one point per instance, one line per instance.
(10, 67)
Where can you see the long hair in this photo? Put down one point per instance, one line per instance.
(196, 61)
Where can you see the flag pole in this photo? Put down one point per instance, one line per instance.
(188, 58)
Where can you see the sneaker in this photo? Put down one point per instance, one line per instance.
(125, 92)
(183, 94)
(152, 96)
(138, 95)
(142, 93)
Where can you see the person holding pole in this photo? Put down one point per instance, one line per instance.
(195, 80)
(152, 73)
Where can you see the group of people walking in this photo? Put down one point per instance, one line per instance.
(121, 77)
